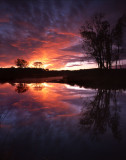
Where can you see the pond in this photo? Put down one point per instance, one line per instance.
(53, 121)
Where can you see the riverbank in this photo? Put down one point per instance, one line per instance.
(95, 78)
(92, 78)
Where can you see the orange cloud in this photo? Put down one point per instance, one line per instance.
(51, 49)
(47, 48)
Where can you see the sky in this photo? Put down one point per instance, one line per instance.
(48, 30)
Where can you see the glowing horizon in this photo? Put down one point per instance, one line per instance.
(48, 31)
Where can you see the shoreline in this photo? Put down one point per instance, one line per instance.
(89, 78)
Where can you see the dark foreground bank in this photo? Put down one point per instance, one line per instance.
(93, 78)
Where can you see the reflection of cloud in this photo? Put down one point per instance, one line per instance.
(4, 20)
(51, 117)
(38, 86)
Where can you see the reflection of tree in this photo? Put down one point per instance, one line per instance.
(99, 116)
(21, 87)
(38, 87)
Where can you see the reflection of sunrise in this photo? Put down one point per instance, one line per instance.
(51, 96)
(32, 85)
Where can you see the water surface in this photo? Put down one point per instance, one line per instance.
(52, 121)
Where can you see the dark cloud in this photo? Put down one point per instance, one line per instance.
(74, 48)
(71, 59)
(26, 25)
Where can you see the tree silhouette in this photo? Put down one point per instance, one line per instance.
(99, 115)
(100, 39)
(21, 63)
(118, 37)
(37, 64)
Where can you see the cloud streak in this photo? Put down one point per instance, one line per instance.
(47, 30)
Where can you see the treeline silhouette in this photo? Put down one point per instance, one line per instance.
(12, 74)
(102, 40)
(21, 63)
(91, 78)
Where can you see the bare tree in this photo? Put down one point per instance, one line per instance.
(118, 37)
(100, 39)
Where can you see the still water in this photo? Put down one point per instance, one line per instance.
(51, 121)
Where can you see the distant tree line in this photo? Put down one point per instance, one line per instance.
(37, 64)
(21, 63)
(103, 41)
